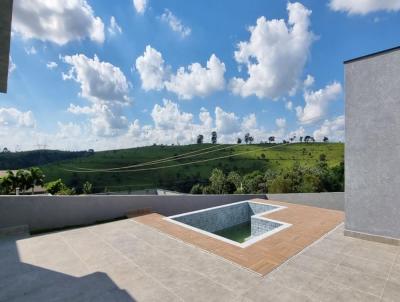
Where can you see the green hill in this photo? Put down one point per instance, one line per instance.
(26, 159)
(184, 173)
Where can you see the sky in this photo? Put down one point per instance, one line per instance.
(119, 74)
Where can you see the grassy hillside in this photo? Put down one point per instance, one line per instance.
(181, 178)
(26, 159)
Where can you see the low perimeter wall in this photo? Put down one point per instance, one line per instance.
(42, 213)
(333, 201)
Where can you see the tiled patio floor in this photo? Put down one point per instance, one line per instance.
(128, 261)
(308, 225)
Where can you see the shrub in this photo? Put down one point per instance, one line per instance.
(57, 187)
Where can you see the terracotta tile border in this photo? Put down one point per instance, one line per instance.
(308, 225)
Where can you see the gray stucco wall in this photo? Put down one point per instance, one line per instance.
(372, 153)
(50, 212)
(333, 201)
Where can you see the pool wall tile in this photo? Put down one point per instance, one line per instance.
(217, 219)
(260, 226)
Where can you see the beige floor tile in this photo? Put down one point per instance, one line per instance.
(360, 281)
(334, 292)
(205, 290)
(360, 250)
(366, 266)
(298, 280)
(392, 292)
(312, 265)
(395, 274)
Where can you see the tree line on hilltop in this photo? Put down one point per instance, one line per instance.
(249, 139)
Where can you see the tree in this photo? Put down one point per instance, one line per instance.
(5, 150)
(301, 139)
(279, 185)
(254, 183)
(7, 183)
(217, 180)
(235, 179)
(214, 137)
(197, 189)
(308, 139)
(251, 139)
(247, 138)
(208, 190)
(271, 139)
(325, 140)
(87, 188)
(57, 187)
(239, 140)
(37, 177)
(200, 139)
(24, 179)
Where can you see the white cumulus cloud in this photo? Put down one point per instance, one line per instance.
(140, 6)
(309, 81)
(226, 122)
(31, 51)
(249, 122)
(175, 23)
(205, 118)
(169, 116)
(197, 80)
(289, 105)
(316, 103)
(333, 129)
(12, 117)
(99, 80)
(11, 66)
(363, 7)
(280, 122)
(105, 87)
(57, 21)
(275, 55)
(51, 65)
(67, 130)
(151, 69)
(186, 83)
(114, 27)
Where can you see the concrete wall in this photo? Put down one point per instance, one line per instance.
(372, 152)
(333, 201)
(50, 212)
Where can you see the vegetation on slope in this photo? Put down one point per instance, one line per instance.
(276, 159)
(26, 159)
(298, 179)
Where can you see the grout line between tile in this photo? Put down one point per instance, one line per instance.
(388, 276)
(201, 249)
(159, 232)
(130, 260)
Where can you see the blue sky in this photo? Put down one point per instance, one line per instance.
(166, 71)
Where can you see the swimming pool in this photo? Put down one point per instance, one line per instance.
(240, 223)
